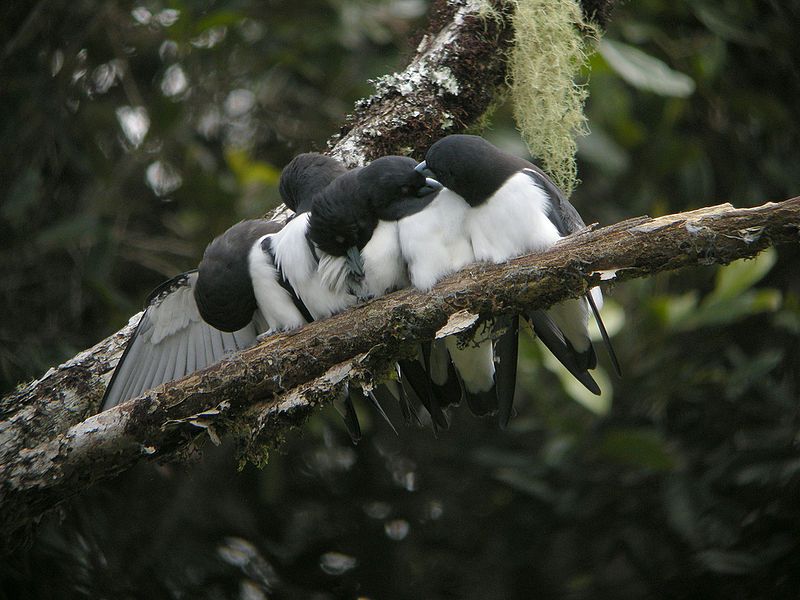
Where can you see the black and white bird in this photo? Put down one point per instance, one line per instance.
(236, 294)
(514, 209)
(355, 219)
(354, 226)
(434, 243)
(291, 251)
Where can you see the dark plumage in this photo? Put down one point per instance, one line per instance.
(236, 294)
(354, 219)
(224, 291)
(346, 212)
(306, 175)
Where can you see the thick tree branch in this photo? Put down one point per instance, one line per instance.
(456, 73)
(276, 384)
(452, 80)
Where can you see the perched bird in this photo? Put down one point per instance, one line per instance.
(434, 243)
(291, 250)
(236, 293)
(354, 225)
(355, 218)
(515, 209)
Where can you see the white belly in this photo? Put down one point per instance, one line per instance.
(433, 242)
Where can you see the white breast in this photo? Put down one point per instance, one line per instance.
(384, 267)
(296, 261)
(433, 242)
(273, 300)
(512, 222)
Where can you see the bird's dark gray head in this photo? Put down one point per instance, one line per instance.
(346, 212)
(224, 291)
(471, 166)
(392, 187)
(305, 176)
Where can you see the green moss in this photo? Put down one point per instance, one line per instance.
(550, 47)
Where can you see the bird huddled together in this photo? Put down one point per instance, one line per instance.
(360, 234)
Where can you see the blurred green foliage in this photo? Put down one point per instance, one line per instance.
(134, 132)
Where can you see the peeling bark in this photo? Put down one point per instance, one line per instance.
(267, 389)
(454, 77)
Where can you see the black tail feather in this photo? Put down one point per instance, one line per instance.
(348, 412)
(382, 393)
(415, 374)
(482, 404)
(506, 349)
(552, 337)
(606, 340)
(451, 391)
(430, 400)
(407, 398)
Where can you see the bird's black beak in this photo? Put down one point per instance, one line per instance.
(431, 186)
(423, 168)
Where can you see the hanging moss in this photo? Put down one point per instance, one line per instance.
(550, 47)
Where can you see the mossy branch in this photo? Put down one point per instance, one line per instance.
(275, 385)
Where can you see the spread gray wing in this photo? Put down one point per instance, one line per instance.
(562, 213)
(172, 341)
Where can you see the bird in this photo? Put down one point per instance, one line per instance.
(354, 225)
(290, 250)
(327, 281)
(514, 208)
(434, 243)
(236, 294)
(355, 218)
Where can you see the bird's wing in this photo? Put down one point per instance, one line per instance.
(567, 220)
(562, 214)
(171, 341)
(577, 363)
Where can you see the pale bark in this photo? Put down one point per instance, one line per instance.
(271, 387)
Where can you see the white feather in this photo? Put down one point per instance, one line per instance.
(295, 259)
(274, 302)
(173, 313)
(384, 267)
(334, 272)
(439, 362)
(512, 222)
(572, 318)
(433, 242)
(597, 296)
(475, 363)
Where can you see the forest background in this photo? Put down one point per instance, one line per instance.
(133, 133)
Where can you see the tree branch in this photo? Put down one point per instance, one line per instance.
(275, 385)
